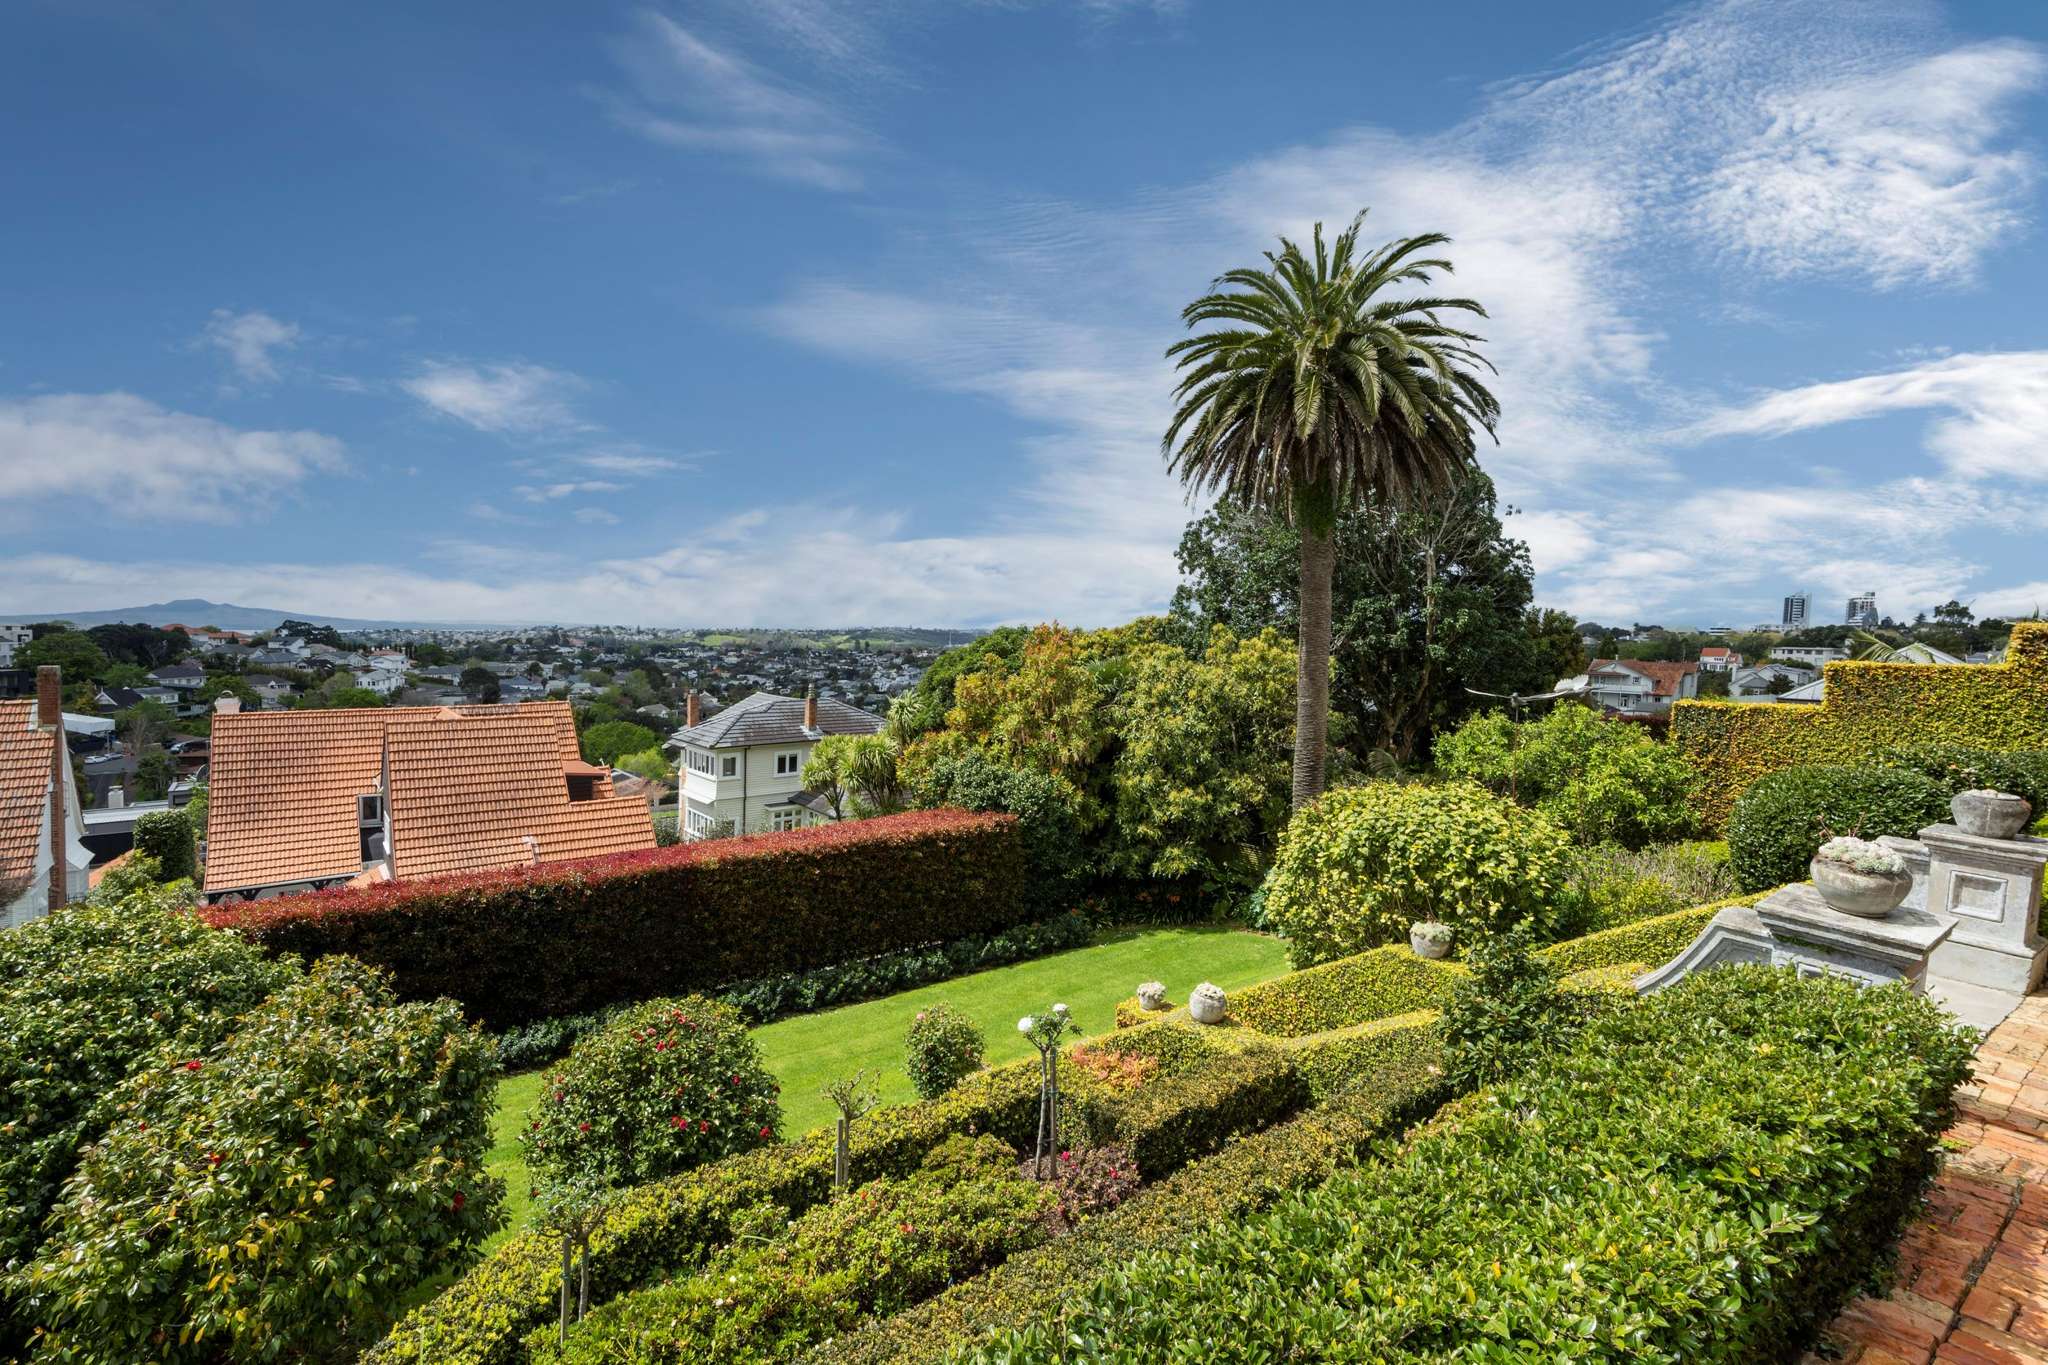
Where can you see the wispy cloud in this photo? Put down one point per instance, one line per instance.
(596, 516)
(555, 492)
(146, 462)
(511, 398)
(249, 340)
(630, 463)
(690, 95)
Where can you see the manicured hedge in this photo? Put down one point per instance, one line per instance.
(1243, 1178)
(1332, 1063)
(1369, 985)
(1655, 941)
(1869, 708)
(1172, 1119)
(559, 938)
(1704, 1179)
(668, 1227)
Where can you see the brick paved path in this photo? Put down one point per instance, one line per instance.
(1972, 1285)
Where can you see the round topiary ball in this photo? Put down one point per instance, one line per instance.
(1784, 817)
(943, 1048)
(1360, 864)
(667, 1085)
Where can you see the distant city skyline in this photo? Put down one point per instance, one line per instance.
(727, 312)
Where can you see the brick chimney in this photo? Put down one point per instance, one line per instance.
(811, 707)
(692, 713)
(50, 716)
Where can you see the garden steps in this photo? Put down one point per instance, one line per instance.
(1972, 1280)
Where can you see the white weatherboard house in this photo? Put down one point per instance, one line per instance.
(743, 768)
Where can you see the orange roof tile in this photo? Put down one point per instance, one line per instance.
(25, 753)
(468, 787)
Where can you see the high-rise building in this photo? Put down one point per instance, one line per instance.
(1798, 607)
(1862, 610)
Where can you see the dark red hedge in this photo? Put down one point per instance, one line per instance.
(560, 938)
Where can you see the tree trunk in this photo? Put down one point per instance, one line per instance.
(1312, 667)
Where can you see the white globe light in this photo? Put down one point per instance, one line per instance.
(1024, 1024)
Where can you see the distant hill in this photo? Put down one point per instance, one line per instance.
(197, 611)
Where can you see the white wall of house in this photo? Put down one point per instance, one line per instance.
(34, 902)
(741, 787)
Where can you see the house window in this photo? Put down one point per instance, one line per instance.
(785, 817)
(788, 765)
(697, 822)
(731, 767)
(699, 761)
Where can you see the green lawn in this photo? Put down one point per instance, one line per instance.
(810, 1050)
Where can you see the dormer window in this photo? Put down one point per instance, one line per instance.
(582, 787)
(370, 827)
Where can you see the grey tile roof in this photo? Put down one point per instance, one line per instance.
(765, 718)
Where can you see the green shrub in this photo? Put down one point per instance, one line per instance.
(667, 832)
(87, 996)
(1049, 821)
(1333, 1063)
(1351, 990)
(665, 1086)
(1960, 768)
(1703, 1179)
(267, 1199)
(885, 1245)
(1785, 816)
(1361, 864)
(1246, 1176)
(668, 1226)
(1611, 886)
(1604, 781)
(166, 835)
(943, 1047)
(1507, 1015)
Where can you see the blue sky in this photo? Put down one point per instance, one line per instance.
(790, 312)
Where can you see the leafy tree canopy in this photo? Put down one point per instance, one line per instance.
(606, 743)
(74, 651)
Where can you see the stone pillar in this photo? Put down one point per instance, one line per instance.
(1915, 854)
(1991, 888)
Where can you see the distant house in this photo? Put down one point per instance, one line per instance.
(1920, 653)
(13, 638)
(183, 677)
(1640, 687)
(1767, 681)
(743, 768)
(1719, 659)
(1812, 655)
(272, 691)
(41, 867)
(301, 800)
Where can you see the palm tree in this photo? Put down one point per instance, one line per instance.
(1313, 393)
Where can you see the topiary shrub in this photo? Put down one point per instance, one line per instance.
(272, 1198)
(665, 1086)
(1603, 781)
(166, 836)
(1786, 816)
(87, 996)
(1361, 864)
(944, 1046)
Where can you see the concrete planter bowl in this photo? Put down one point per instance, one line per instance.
(1989, 814)
(1429, 939)
(1872, 895)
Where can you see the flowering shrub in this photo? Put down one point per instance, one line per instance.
(269, 1199)
(558, 938)
(667, 1085)
(87, 996)
(1361, 864)
(1086, 1182)
(887, 1244)
(944, 1045)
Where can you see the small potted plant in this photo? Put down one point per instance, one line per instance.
(1430, 938)
(1858, 877)
(1990, 814)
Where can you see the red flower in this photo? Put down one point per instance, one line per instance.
(213, 1158)
(678, 1121)
(192, 1065)
(906, 1227)
(582, 1127)
(703, 1125)
(764, 1130)
(458, 1202)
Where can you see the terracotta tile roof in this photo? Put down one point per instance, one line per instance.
(468, 787)
(1665, 677)
(25, 755)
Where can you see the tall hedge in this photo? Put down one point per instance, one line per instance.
(1869, 708)
(529, 943)
(166, 835)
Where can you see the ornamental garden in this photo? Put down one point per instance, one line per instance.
(1093, 1051)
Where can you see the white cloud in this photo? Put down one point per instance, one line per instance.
(248, 340)
(596, 516)
(512, 398)
(692, 96)
(1994, 408)
(146, 462)
(629, 463)
(2024, 599)
(554, 492)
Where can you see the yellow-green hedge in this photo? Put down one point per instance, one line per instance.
(1655, 941)
(1351, 990)
(1869, 706)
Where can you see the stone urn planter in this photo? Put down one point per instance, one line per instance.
(1429, 938)
(1860, 878)
(1990, 814)
(1152, 996)
(1206, 1003)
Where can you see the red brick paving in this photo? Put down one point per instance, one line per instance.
(1972, 1283)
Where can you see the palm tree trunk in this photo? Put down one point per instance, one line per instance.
(1312, 666)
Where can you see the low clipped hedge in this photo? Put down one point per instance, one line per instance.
(1781, 821)
(668, 1227)
(1174, 1118)
(1368, 985)
(1246, 1176)
(559, 938)
(1703, 1178)
(1332, 1063)
(1655, 941)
